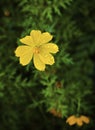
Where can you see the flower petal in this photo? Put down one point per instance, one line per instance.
(50, 47)
(40, 38)
(45, 38)
(79, 122)
(35, 34)
(85, 119)
(28, 40)
(46, 58)
(22, 50)
(38, 63)
(71, 120)
(25, 59)
(25, 53)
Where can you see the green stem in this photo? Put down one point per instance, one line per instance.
(79, 104)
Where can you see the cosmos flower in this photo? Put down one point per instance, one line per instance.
(55, 113)
(38, 47)
(77, 120)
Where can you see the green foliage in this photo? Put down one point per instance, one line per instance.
(27, 95)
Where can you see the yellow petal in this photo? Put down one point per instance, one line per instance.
(40, 38)
(46, 58)
(25, 53)
(28, 40)
(22, 50)
(45, 38)
(79, 122)
(38, 63)
(35, 34)
(24, 60)
(71, 120)
(50, 47)
(85, 119)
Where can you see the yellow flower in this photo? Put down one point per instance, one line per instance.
(77, 120)
(37, 46)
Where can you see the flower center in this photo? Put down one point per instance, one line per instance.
(36, 50)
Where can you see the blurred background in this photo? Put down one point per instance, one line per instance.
(35, 100)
